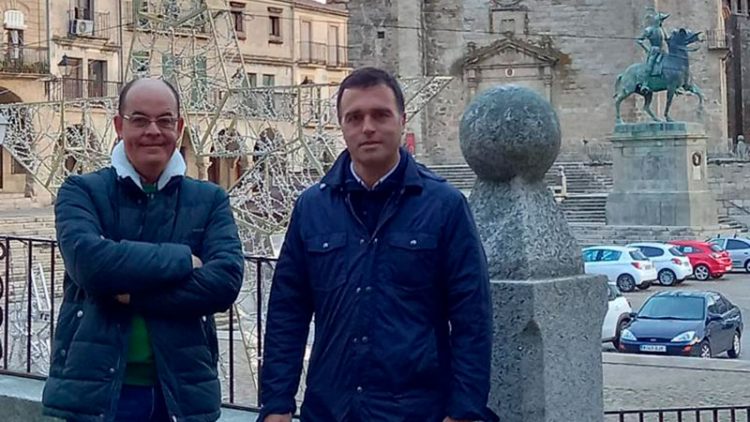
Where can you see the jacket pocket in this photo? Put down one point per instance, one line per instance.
(412, 259)
(326, 260)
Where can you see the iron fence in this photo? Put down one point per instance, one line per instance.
(31, 288)
(701, 414)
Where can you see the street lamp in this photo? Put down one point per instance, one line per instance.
(65, 66)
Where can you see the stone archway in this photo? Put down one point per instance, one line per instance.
(13, 176)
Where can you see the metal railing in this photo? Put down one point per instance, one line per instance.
(76, 88)
(701, 414)
(20, 59)
(313, 52)
(31, 291)
(80, 20)
(338, 56)
(716, 39)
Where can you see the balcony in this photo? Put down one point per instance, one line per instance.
(85, 23)
(312, 52)
(75, 88)
(716, 39)
(338, 56)
(20, 59)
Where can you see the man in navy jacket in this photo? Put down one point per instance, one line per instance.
(387, 258)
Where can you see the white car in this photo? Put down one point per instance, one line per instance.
(672, 266)
(618, 316)
(627, 267)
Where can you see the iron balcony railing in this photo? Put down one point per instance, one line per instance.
(77, 88)
(20, 59)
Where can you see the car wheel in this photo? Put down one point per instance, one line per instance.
(626, 283)
(620, 326)
(705, 350)
(747, 266)
(667, 278)
(701, 273)
(736, 349)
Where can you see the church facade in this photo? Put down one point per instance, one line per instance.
(570, 52)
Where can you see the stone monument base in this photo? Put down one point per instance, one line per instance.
(660, 176)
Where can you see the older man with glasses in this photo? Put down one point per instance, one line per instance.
(150, 255)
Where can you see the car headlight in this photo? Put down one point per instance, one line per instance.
(686, 336)
(627, 335)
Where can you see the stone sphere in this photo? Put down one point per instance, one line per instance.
(510, 131)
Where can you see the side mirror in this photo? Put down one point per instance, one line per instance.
(633, 315)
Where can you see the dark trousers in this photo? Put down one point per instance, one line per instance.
(141, 404)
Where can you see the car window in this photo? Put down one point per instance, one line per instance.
(687, 249)
(608, 255)
(715, 248)
(673, 307)
(651, 252)
(590, 255)
(676, 252)
(719, 242)
(733, 244)
(638, 255)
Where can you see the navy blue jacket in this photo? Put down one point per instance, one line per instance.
(116, 239)
(402, 315)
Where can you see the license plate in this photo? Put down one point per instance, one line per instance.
(653, 348)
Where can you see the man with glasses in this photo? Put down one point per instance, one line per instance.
(150, 255)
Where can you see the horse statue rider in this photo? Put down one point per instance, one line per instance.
(667, 67)
(656, 37)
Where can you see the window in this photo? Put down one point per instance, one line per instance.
(274, 24)
(676, 251)
(715, 248)
(651, 252)
(238, 18)
(590, 255)
(333, 46)
(252, 80)
(82, 10)
(733, 244)
(169, 67)
(638, 255)
(97, 78)
(14, 50)
(199, 83)
(73, 84)
(269, 80)
(609, 255)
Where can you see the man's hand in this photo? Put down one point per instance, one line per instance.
(123, 298)
(278, 418)
(197, 263)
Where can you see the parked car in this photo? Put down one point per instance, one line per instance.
(708, 260)
(618, 316)
(687, 323)
(672, 266)
(627, 267)
(738, 248)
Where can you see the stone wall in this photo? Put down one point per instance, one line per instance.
(730, 182)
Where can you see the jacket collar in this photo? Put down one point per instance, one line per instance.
(337, 175)
(125, 170)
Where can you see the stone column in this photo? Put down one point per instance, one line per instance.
(547, 361)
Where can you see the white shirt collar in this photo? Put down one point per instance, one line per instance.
(381, 180)
(124, 168)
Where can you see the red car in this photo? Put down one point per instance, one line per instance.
(707, 259)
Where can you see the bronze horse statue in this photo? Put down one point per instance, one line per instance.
(674, 78)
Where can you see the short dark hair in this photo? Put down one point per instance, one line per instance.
(125, 89)
(367, 77)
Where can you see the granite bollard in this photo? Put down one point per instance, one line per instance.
(547, 362)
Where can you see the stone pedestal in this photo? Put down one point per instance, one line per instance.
(660, 176)
(547, 361)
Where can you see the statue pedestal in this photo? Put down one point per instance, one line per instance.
(660, 176)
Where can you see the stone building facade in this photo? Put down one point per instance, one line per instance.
(569, 51)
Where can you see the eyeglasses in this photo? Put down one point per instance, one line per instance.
(164, 122)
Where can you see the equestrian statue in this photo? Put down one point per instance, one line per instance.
(667, 67)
